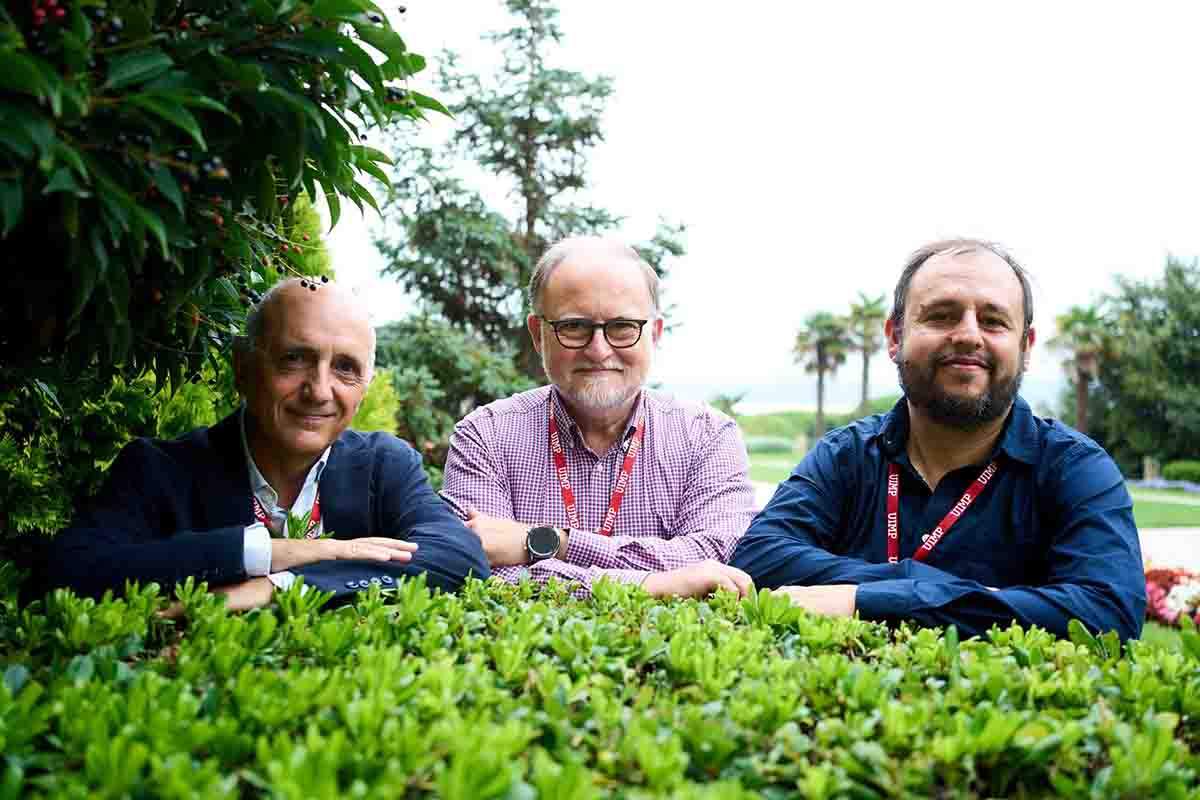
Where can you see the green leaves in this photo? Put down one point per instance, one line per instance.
(516, 691)
(136, 67)
(152, 162)
(165, 108)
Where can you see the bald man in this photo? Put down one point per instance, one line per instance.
(595, 475)
(214, 504)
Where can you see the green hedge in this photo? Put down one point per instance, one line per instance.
(1182, 471)
(510, 692)
(769, 444)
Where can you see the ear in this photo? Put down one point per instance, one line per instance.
(534, 324)
(892, 332)
(1030, 338)
(656, 330)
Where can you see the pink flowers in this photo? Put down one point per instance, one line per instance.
(1171, 594)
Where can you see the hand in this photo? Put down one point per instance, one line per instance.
(837, 600)
(503, 540)
(253, 593)
(289, 553)
(698, 580)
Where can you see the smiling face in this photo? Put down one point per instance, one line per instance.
(596, 283)
(961, 351)
(305, 379)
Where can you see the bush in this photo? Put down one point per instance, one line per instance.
(152, 155)
(769, 444)
(507, 691)
(1182, 471)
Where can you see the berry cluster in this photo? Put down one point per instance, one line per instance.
(112, 26)
(306, 284)
(47, 10)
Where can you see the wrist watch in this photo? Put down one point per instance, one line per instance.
(541, 543)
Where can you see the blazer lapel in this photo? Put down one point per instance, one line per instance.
(347, 504)
(224, 487)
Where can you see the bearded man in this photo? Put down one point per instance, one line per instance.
(959, 506)
(595, 475)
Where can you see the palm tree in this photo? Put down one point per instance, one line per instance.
(1082, 332)
(866, 335)
(821, 346)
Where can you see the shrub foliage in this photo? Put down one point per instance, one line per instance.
(150, 152)
(1182, 471)
(509, 691)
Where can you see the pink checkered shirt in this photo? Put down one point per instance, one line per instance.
(689, 498)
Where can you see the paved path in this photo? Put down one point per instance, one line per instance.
(1161, 547)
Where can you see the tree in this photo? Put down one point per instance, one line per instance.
(865, 328)
(151, 156)
(1082, 334)
(1150, 388)
(440, 374)
(821, 346)
(531, 126)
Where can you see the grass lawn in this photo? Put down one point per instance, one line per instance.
(772, 467)
(1169, 494)
(1165, 515)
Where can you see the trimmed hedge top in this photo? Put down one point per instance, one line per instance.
(517, 692)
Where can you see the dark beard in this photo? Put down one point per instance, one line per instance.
(963, 413)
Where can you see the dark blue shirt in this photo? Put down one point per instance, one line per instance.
(1050, 539)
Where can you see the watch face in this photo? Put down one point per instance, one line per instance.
(542, 542)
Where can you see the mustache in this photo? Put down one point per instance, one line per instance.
(982, 359)
(596, 365)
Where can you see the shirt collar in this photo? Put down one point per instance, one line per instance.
(564, 418)
(258, 484)
(1018, 441)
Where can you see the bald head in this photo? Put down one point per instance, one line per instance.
(597, 250)
(296, 295)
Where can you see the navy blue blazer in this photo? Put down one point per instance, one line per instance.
(179, 508)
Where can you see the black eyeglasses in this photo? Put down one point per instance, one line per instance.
(576, 334)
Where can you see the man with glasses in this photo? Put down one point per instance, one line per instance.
(595, 475)
(214, 504)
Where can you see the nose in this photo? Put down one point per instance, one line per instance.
(598, 348)
(318, 388)
(966, 334)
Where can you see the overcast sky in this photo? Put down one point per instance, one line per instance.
(810, 147)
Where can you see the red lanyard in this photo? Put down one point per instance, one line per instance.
(564, 482)
(937, 534)
(314, 520)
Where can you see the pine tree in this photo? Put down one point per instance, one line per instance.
(531, 126)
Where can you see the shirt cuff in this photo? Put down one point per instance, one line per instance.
(256, 550)
(588, 549)
(284, 580)
(885, 600)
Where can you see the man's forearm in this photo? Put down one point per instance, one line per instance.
(974, 608)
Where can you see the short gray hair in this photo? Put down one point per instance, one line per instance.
(956, 247)
(256, 321)
(561, 250)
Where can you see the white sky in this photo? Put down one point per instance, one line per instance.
(810, 147)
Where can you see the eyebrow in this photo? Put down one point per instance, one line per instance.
(939, 305)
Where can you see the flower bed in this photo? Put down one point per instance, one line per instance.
(1172, 595)
(524, 693)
